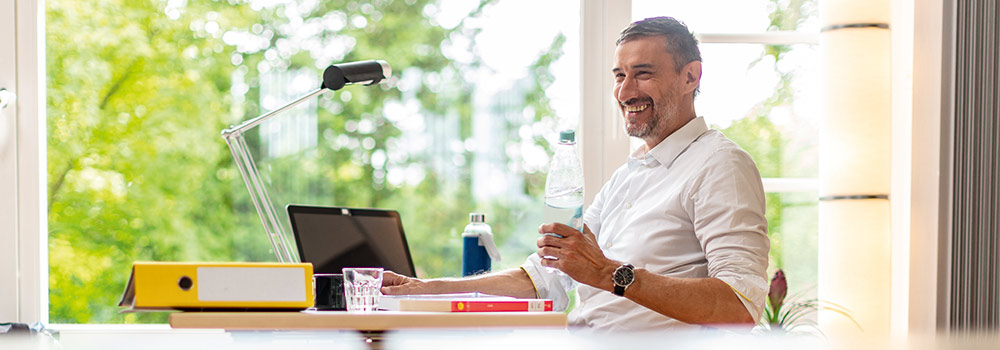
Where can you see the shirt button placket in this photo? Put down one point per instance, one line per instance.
(628, 195)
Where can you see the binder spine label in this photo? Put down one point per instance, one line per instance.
(537, 305)
(251, 284)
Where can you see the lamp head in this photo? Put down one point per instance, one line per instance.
(362, 72)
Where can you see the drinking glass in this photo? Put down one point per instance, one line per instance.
(362, 288)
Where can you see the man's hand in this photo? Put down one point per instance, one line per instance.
(577, 254)
(393, 283)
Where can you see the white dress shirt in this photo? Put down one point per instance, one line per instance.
(693, 206)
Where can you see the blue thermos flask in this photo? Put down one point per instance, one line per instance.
(478, 248)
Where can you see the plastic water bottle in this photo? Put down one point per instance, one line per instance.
(478, 248)
(564, 185)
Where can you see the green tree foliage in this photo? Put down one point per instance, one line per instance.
(138, 92)
(134, 101)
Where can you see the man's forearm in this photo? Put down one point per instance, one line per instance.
(512, 282)
(689, 300)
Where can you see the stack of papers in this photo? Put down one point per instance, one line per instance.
(462, 302)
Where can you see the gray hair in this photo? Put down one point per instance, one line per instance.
(681, 43)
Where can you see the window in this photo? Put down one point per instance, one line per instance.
(137, 170)
(760, 87)
(136, 102)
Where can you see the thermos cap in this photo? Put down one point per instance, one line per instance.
(477, 217)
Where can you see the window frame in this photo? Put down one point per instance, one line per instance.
(8, 161)
(25, 232)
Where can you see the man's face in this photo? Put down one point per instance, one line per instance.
(645, 83)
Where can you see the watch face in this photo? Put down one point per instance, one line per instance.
(623, 276)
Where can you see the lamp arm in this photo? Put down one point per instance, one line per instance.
(239, 129)
(334, 78)
(276, 234)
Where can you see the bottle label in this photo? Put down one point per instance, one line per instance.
(571, 215)
(475, 259)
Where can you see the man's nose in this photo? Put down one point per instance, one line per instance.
(627, 90)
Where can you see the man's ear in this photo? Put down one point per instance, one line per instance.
(691, 75)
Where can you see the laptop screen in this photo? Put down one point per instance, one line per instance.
(332, 238)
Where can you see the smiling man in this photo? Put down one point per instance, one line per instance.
(677, 237)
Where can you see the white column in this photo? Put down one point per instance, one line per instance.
(854, 172)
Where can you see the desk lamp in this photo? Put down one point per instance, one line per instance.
(334, 77)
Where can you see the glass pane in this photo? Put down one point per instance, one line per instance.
(740, 16)
(794, 227)
(138, 171)
(765, 98)
(771, 109)
(768, 106)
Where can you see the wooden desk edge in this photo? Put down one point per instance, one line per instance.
(377, 321)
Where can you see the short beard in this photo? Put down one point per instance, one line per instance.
(653, 126)
(643, 130)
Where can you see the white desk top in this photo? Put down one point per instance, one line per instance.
(375, 321)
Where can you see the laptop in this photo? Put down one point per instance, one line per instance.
(332, 238)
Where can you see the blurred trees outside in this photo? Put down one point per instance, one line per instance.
(138, 92)
(136, 98)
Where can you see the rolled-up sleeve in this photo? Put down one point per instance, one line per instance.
(728, 210)
(548, 285)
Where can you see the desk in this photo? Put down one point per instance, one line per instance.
(375, 321)
(161, 337)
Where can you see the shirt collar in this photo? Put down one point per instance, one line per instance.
(671, 147)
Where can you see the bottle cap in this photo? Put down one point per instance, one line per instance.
(477, 217)
(567, 136)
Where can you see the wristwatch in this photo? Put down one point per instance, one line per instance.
(623, 277)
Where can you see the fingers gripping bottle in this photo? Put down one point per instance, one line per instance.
(564, 184)
(478, 247)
